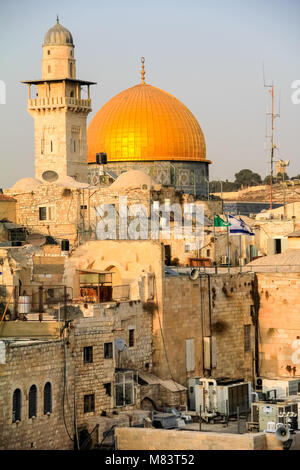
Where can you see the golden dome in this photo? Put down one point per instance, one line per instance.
(144, 123)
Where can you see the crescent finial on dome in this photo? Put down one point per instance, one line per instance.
(143, 73)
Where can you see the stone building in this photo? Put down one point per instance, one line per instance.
(147, 129)
(205, 326)
(278, 279)
(59, 110)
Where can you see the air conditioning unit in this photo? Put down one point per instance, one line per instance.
(219, 397)
(224, 259)
(284, 387)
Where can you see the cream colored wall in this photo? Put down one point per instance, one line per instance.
(8, 210)
(135, 260)
(162, 439)
(294, 243)
(59, 60)
(279, 324)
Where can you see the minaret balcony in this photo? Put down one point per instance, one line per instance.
(54, 102)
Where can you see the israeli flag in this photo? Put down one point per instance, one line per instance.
(239, 227)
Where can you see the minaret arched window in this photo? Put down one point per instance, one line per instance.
(17, 404)
(32, 402)
(71, 70)
(47, 398)
(49, 68)
(51, 146)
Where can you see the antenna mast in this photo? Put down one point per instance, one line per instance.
(273, 146)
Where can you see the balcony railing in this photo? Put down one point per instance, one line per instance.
(58, 101)
(17, 302)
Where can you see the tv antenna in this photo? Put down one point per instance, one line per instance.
(271, 90)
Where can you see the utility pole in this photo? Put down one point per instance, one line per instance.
(273, 146)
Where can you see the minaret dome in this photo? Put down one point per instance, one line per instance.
(58, 53)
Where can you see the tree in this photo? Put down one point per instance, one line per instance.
(268, 179)
(247, 177)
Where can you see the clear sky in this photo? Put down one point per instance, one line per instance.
(208, 53)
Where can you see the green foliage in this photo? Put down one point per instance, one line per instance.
(247, 177)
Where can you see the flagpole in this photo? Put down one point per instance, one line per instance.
(215, 245)
(228, 246)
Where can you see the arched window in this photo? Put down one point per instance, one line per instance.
(47, 398)
(32, 401)
(71, 69)
(51, 146)
(16, 415)
(49, 68)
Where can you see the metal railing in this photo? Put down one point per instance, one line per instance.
(290, 268)
(40, 299)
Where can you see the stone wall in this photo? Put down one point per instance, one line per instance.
(27, 364)
(214, 317)
(279, 324)
(162, 439)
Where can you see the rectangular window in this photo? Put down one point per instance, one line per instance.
(108, 350)
(47, 213)
(131, 338)
(124, 389)
(89, 403)
(88, 354)
(107, 387)
(42, 213)
(247, 338)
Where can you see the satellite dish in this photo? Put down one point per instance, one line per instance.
(120, 344)
(50, 176)
(194, 274)
(36, 239)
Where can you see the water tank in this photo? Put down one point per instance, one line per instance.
(65, 245)
(24, 304)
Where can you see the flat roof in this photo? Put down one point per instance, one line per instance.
(53, 80)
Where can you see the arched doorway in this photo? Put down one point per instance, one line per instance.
(116, 275)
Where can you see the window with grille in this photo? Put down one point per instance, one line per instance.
(108, 350)
(124, 388)
(247, 338)
(89, 403)
(47, 398)
(88, 354)
(16, 415)
(131, 338)
(32, 402)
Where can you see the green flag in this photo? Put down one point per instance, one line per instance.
(218, 222)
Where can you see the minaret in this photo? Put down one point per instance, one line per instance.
(59, 110)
